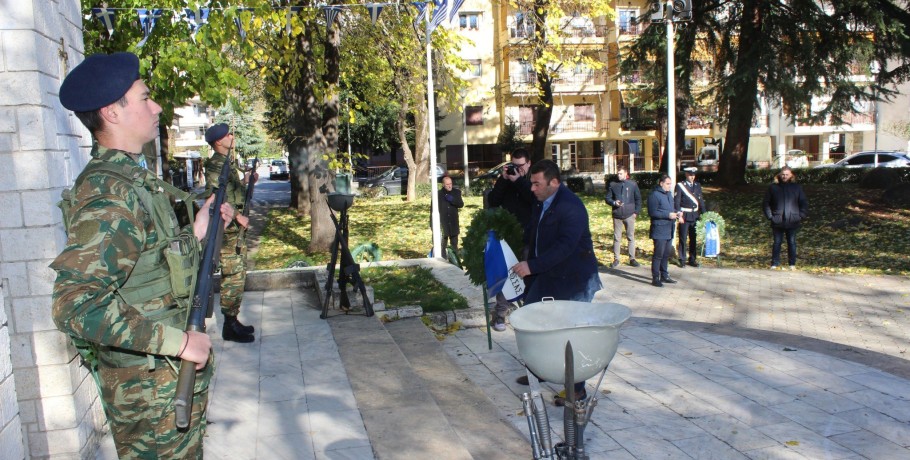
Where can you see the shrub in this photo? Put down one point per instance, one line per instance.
(882, 178)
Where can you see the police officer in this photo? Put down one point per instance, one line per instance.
(691, 203)
(114, 293)
(233, 251)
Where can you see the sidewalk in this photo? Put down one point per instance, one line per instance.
(726, 364)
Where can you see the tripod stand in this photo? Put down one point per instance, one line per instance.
(349, 271)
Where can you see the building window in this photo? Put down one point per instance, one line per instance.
(584, 112)
(473, 115)
(476, 68)
(469, 21)
(627, 21)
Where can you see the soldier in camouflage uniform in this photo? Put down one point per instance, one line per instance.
(233, 251)
(114, 294)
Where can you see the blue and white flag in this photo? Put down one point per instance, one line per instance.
(106, 16)
(453, 10)
(439, 13)
(421, 12)
(374, 9)
(147, 20)
(330, 13)
(239, 22)
(498, 260)
(196, 19)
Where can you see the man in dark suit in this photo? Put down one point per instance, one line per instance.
(663, 221)
(690, 201)
(561, 262)
(450, 202)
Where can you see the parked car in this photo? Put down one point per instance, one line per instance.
(872, 159)
(491, 174)
(392, 182)
(278, 169)
(794, 158)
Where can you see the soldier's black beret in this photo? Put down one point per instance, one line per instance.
(216, 132)
(99, 81)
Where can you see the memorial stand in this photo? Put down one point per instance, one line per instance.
(349, 271)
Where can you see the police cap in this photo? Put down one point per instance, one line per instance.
(691, 170)
(99, 81)
(216, 132)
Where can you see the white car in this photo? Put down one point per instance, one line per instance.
(872, 159)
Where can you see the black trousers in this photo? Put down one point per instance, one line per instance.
(660, 259)
(687, 231)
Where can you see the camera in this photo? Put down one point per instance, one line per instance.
(511, 169)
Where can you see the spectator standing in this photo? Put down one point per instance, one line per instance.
(689, 200)
(561, 262)
(450, 202)
(512, 192)
(785, 206)
(625, 199)
(663, 222)
(233, 251)
(113, 294)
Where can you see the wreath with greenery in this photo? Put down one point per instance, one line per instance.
(474, 242)
(709, 216)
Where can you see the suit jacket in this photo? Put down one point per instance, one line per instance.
(682, 200)
(660, 205)
(561, 256)
(448, 210)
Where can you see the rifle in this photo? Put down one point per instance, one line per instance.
(246, 206)
(203, 298)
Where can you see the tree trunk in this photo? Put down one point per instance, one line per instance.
(544, 111)
(164, 136)
(732, 168)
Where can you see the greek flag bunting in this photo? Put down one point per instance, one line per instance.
(292, 10)
(439, 14)
(106, 16)
(330, 13)
(374, 9)
(453, 11)
(196, 19)
(147, 20)
(421, 13)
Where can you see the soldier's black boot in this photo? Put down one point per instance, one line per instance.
(231, 331)
(244, 328)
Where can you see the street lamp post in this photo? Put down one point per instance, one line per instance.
(464, 141)
(875, 69)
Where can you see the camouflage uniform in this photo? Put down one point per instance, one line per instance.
(113, 291)
(233, 264)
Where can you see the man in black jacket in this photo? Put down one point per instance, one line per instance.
(512, 192)
(786, 206)
(625, 199)
(450, 202)
(691, 203)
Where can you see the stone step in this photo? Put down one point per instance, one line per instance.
(414, 400)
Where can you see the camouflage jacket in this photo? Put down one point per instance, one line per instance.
(236, 192)
(108, 231)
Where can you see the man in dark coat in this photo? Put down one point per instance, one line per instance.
(450, 202)
(561, 262)
(785, 206)
(690, 201)
(625, 199)
(663, 222)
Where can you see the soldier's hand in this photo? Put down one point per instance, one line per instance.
(196, 348)
(243, 220)
(227, 213)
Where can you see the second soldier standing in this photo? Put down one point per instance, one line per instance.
(233, 261)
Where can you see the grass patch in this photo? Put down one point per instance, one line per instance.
(400, 286)
(875, 240)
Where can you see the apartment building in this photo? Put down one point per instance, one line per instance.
(595, 127)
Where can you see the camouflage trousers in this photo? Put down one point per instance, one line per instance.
(139, 404)
(233, 273)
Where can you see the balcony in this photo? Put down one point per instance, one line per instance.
(856, 120)
(631, 30)
(594, 81)
(526, 128)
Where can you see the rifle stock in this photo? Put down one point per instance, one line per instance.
(241, 237)
(203, 297)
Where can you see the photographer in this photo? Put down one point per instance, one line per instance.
(512, 192)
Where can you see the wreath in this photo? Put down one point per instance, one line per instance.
(367, 252)
(474, 242)
(709, 216)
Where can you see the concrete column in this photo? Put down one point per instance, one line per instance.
(42, 148)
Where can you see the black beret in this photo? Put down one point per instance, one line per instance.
(99, 81)
(216, 132)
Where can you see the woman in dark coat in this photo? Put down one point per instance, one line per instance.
(786, 206)
(663, 224)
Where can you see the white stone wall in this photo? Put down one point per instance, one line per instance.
(42, 148)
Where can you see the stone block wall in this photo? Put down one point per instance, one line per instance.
(49, 406)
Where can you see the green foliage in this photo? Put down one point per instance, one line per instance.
(402, 286)
(506, 227)
(249, 135)
(710, 216)
(509, 137)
